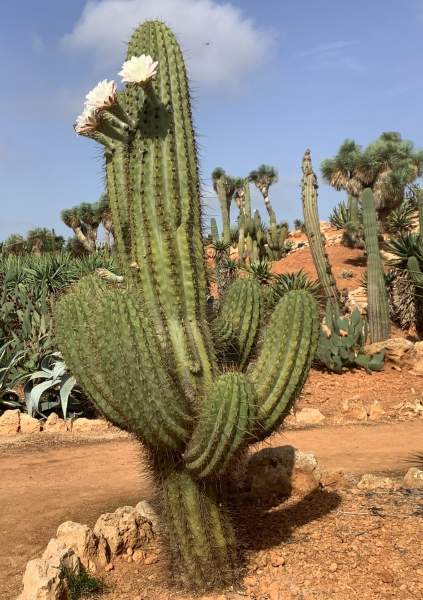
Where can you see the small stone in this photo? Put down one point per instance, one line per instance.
(250, 581)
(309, 416)
(9, 422)
(109, 567)
(138, 556)
(413, 479)
(333, 567)
(276, 560)
(374, 482)
(386, 576)
(129, 552)
(376, 411)
(151, 559)
(129, 559)
(54, 424)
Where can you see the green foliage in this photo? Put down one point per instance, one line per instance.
(299, 225)
(55, 377)
(340, 216)
(8, 377)
(261, 271)
(403, 247)
(296, 280)
(145, 352)
(341, 343)
(82, 584)
(399, 220)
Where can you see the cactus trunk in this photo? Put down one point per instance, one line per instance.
(378, 304)
(312, 225)
(143, 350)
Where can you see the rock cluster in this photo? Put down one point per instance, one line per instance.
(14, 421)
(128, 531)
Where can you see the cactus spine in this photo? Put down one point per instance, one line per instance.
(143, 349)
(378, 305)
(312, 225)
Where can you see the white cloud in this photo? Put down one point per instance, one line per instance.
(221, 45)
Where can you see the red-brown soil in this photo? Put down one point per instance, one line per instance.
(47, 480)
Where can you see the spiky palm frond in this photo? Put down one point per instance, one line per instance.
(403, 247)
(400, 220)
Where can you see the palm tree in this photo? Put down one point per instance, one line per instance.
(41, 240)
(85, 220)
(263, 177)
(224, 185)
(14, 244)
(388, 166)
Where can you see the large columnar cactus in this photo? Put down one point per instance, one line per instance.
(144, 351)
(312, 224)
(378, 305)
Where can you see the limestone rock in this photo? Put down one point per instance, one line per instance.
(276, 473)
(54, 424)
(84, 425)
(357, 298)
(375, 482)
(145, 510)
(413, 479)
(397, 350)
(9, 422)
(354, 409)
(309, 416)
(44, 577)
(416, 362)
(125, 528)
(29, 424)
(87, 546)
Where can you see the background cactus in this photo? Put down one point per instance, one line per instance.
(144, 350)
(214, 231)
(312, 224)
(378, 306)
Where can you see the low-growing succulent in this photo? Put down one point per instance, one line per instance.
(341, 343)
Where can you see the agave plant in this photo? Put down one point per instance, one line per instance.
(403, 247)
(8, 376)
(55, 378)
(400, 220)
(260, 270)
(340, 216)
(296, 280)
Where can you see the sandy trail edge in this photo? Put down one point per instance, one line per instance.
(42, 487)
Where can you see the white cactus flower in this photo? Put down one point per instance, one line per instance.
(86, 122)
(102, 96)
(138, 69)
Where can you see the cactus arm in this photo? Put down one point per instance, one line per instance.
(227, 420)
(214, 230)
(378, 305)
(109, 324)
(237, 323)
(312, 225)
(284, 361)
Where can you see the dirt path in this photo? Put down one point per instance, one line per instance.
(44, 486)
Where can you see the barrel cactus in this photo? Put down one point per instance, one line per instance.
(143, 349)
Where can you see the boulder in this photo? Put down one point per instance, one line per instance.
(413, 479)
(44, 577)
(416, 361)
(273, 474)
(54, 424)
(10, 422)
(309, 416)
(89, 426)
(82, 540)
(397, 350)
(370, 482)
(29, 424)
(125, 528)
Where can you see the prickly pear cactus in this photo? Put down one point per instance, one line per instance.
(143, 349)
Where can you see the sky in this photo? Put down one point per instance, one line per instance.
(269, 79)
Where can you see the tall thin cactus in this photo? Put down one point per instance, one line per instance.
(309, 189)
(144, 351)
(378, 304)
